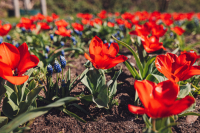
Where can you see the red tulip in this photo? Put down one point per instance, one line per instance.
(151, 44)
(110, 24)
(26, 23)
(178, 68)
(178, 30)
(77, 26)
(55, 16)
(158, 30)
(14, 62)
(102, 55)
(141, 30)
(127, 24)
(49, 19)
(159, 100)
(44, 25)
(4, 29)
(63, 32)
(61, 23)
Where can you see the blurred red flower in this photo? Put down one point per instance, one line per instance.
(77, 26)
(63, 32)
(61, 23)
(178, 30)
(4, 29)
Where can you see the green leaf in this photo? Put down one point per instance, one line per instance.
(73, 115)
(184, 90)
(146, 120)
(82, 109)
(175, 51)
(132, 70)
(189, 113)
(139, 64)
(86, 99)
(113, 86)
(30, 98)
(34, 113)
(147, 65)
(9, 108)
(3, 121)
(102, 98)
(30, 71)
(32, 85)
(155, 78)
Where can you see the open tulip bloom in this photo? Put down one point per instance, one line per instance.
(178, 68)
(102, 55)
(14, 62)
(159, 100)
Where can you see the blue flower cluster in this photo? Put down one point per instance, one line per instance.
(74, 40)
(1, 39)
(78, 32)
(62, 43)
(8, 37)
(57, 67)
(62, 61)
(47, 49)
(51, 37)
(49, 69)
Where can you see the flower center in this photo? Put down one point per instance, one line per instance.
(14, 72)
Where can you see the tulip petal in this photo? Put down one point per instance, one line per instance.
(194, 70)
(136, 110)
(144, 89)
(95, 46)
(9, 55)
(181, 105)
(166, 92)
(116, 60)
(113, 49)
(17, 80)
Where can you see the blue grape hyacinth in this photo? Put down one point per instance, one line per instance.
(62, 61)
(47, 49)
(8, 37)
(1, 39)
(50, 69)
(62, 52)
(62, 43)
(51, 37)
(57, 67)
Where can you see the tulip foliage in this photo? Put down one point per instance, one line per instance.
(35, 56)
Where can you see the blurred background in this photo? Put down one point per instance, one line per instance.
(66, 7)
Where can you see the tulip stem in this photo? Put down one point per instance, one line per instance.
(154, 124)
(57, 84)
(16, 90)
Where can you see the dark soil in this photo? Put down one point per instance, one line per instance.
(116, 120)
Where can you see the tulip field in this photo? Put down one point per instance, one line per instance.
(105, 72)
